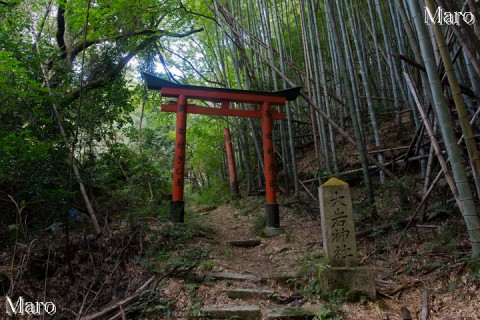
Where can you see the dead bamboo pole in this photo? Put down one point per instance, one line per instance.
(433, 139)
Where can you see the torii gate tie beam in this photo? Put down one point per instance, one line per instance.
(225, 97)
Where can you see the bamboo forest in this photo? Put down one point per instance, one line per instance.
(240, 159)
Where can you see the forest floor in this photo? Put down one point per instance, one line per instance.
(97, 274)
(403, 272)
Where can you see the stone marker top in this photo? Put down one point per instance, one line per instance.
(334, 182)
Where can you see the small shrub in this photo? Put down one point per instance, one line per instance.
(307, 274)
(259, 225)
(216, 194)
(327, 313)
(207, 265)
(191, 287)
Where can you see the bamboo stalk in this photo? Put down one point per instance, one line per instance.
(433, 139)
(349, 85)
(468, 206)
(470, 142)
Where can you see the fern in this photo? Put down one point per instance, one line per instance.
(438, 207)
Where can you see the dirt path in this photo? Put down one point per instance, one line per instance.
(273, 263)
(275, 255)
(402, 276)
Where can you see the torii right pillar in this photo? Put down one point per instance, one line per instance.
(271, 205)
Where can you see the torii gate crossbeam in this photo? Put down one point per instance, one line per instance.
(225, 97)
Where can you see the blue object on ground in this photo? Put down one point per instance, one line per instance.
(72, 214)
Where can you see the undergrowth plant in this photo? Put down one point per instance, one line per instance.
(216, 193)
(307, 274)
(259, 224)
(327, 313)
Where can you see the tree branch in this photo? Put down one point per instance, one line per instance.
(164, 64)
(7, 4)
(193, 67)
(182, 6)
(61, 28)
(44, 19)
(112, 75)
(79, 47)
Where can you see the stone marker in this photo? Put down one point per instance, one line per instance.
(341, 270)
(356, 281)
(338, 229)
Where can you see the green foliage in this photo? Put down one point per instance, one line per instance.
(454, 284)
(307, 273)
(252, 206)
(150, 307)
(394, 194)
(205, 145)
(448, 237)
(33, 162)
(126, 177)
(259, 225)
(440, 207)
(216, 194)
(166, 250)
(310, 286)
(207, 265)
(191, 287)
(199, 226)
(327, 313)
(195, 311)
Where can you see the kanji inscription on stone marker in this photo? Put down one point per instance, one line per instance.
(338, 229)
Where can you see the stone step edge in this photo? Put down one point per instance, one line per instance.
(250, 293)
(245, 243)
(233, 276)
(253, 312)
(250, 312)
(291, 313)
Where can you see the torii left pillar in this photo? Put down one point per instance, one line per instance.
(177, 205)
(235, 193)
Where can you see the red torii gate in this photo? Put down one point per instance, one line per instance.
(224, 96)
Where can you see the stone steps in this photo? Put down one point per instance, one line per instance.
(245, 243)
(233, 276)
(253, 312)
(261, 301)
(289, 313)
(246, 294)
(236, 312)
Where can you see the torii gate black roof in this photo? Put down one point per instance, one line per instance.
(156, 83)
